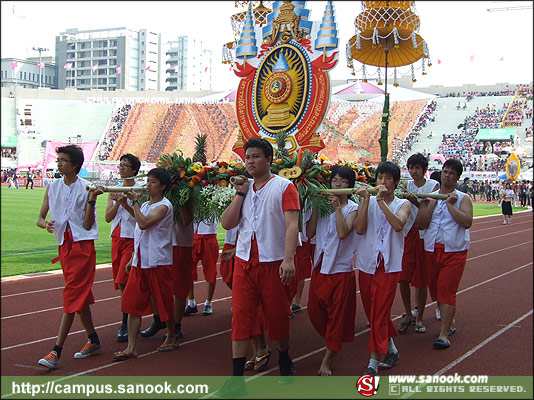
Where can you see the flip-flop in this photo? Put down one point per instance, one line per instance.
(249, 365)
(452, 331)
(402, 327)
(441, 344)
(168, 347)
(122, 356)
(420, 328)
(295, 308)
(262, 361)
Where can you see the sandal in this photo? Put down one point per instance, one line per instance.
(420, 328)
(249, 365)
(262, 361)
(403, 326)
(441, 344)
(123, 356)
(168, 347)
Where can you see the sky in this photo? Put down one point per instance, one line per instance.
(468, 44)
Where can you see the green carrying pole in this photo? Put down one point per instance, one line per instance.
(384, 133)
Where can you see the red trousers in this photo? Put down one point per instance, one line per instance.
(378, 292)
(227, 266)
(78, 262)
(446, 270)
(143, 283)
(182, 271)
(254, 285)
(332, 307)
(206, 249)
(303, 267)
(121, 253)
(413, 260)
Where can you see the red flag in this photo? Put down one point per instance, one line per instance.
(94, 67)
(40, 65)
(502, 59)
(439, 61)
(14, 64)
(118, 70)
(68, 66)
(147, 68)
(206, 69)
(471, 58)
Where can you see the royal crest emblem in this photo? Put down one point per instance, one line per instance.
(285, 85)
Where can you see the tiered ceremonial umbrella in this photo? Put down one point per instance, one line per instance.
(387, 36)
(260, 11)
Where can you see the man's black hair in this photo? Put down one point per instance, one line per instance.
(344, 172)
(454, 164)
(436, 175)
(417, 159)
(260, 143)
(388, 167)
(163, 175)
(75, 153)
(133, 160)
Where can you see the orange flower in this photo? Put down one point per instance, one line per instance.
(238, 165)
(223, 183)
(222, 170)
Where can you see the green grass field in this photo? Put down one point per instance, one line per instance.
(28, 249)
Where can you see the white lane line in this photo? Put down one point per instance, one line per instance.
(499, 236)
(500, 225)
(482, 344)
(54, 250)
(83, 330)
(111, 298)
(61, 287)
(53, 309)
(394, 319)
(49, 289)
(229, 330)
(473, 350)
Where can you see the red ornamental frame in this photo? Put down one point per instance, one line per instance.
(312, 119)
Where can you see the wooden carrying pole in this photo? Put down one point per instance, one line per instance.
(116, 189)
(372, 190)
(238, 180)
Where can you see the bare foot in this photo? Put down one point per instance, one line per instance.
(324, 371)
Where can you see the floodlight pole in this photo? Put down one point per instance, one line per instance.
(40, 50)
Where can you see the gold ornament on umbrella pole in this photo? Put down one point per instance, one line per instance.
(386, 36)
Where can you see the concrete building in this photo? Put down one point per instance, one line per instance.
(189, 65)
(109, 59)
(26, 72)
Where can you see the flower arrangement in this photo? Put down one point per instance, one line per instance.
(208, 188)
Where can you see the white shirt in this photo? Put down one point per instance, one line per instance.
(67, 204)
(201, 228)
(182, 235)
(337, 254)
(428, 187)
(444, 229)
(231, 236)
(155, 242)
(124, 219)
(262, 216)
(381, 238)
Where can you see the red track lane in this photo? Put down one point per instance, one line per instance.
(494, 321)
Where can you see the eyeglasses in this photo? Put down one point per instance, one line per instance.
(124, 166)
(62, 160)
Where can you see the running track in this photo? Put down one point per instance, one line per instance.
(494, 321)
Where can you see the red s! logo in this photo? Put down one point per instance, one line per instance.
(367, 385)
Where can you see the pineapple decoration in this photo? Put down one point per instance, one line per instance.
(200, 148)
(281, 150)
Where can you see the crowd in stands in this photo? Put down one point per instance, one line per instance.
(406, 144)
(9, 152)
(115, 127)
(515, 114)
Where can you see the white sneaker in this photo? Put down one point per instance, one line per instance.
(504, 222)
(510, 222)
(88, 350)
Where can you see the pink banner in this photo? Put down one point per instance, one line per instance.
(88, 149)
